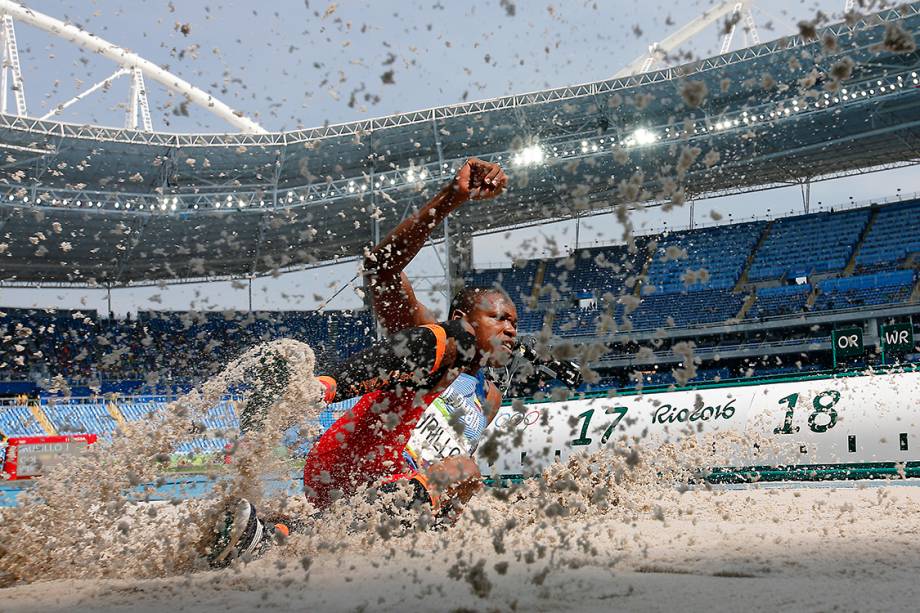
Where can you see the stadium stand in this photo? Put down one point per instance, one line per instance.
(690, 277)
(17, 420)
(595, 271)
(160, 351)
(780, 300)
(865, 290)
(721, 252)
(79, 416)
(517, 281)
(893, 238)
(808, 244)
(575, 321)
(703, 306)
(854, 260)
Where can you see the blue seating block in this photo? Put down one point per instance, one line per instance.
(807, 244)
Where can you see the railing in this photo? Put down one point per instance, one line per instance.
(772, 319)
(669, 356)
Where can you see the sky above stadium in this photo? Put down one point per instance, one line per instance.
(291, 63)
(303, 63)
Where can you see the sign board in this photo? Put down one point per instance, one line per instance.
(896, 338)
(30, 456)
(848, 343)
(830, 421)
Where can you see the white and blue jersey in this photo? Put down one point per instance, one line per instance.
(435, 437)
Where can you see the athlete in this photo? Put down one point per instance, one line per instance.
(397, 379)
(471, 399)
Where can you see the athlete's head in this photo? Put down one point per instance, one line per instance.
(493, 316)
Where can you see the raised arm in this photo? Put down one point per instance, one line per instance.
(395, 303)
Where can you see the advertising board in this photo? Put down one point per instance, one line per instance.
(832, 421)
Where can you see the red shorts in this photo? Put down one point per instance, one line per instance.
(363, 446)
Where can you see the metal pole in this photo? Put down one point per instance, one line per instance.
(577, 231)
(250, 293)
(108, 291)
(692, 208)
(379, 331)
(806, 194)
(447, 276)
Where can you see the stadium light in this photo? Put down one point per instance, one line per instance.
(534, 153)
(529, 156)
(642, 136)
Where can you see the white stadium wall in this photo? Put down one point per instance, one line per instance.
(850, 426)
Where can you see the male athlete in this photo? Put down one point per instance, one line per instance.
(470, 398)
(397, 379)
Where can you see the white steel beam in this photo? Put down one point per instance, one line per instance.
(103, 83)
(752, 33)
(142, 103)
(11, 64)
(130, 60)
(131, 110)
(4, 71)
(675, 40)
(728, 36)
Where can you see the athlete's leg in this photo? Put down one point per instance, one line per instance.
(367, 443)
(444, 486)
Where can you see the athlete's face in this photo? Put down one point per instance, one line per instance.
(494, 322)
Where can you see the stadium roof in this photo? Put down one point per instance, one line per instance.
(86, 204)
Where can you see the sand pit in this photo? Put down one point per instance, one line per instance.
(614, 529)
(815, 549)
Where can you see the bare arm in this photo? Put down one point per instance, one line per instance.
(395, 302)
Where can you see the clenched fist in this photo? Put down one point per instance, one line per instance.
(478, 180)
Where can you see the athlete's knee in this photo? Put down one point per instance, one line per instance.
(457, 477)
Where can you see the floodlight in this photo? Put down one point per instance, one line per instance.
(643, 136)
(529, 156)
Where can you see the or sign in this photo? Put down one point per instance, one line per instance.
(848, 343)
(897, 338)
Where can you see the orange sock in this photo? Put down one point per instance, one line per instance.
(283, 529)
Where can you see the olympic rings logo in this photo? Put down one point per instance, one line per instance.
(509, 421)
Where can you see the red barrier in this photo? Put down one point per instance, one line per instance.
(28, 456)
